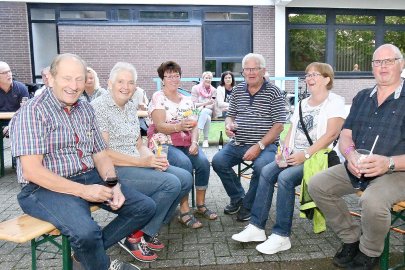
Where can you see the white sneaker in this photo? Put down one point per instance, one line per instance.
(205, 144)
(250, 234)
(274, 244)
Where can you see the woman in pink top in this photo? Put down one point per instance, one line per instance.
(203, 97)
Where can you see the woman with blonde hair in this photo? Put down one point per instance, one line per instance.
(204, 95)
(92, 89)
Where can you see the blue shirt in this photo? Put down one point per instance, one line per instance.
(367, 120)
(10, 101)
(256, 114)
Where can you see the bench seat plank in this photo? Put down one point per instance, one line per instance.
(25, 228)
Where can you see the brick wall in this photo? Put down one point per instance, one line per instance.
(14, 45)
(263, 34)
(146, 47)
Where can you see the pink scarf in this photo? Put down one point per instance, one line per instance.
(204, 92)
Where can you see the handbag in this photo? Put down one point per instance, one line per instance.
(333, 158)
(180, 138)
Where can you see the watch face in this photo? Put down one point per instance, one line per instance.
(306, 156)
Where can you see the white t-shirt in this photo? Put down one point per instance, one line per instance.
(333, 106)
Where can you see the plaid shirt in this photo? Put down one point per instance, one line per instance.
(367, 120)
(67, 141)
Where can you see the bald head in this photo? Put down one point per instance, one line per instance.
(6, 77)
(59, 58)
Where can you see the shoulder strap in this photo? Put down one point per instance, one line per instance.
(304, 128)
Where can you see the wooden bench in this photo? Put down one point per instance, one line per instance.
(26, 228)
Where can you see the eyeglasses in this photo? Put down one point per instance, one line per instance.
(5, 72)
(387, 62)
(251, 70)
(312, 75)
(172, 77)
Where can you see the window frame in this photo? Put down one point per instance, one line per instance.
(379, 28)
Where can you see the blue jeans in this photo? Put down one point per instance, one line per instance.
(165, 188)
(204, 121)
(287, 179)
(231, 155)
(71, 215)
(180, 157)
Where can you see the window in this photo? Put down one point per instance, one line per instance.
(305, 46)
(342, 38)
(42, 14)
(124, 14)
(226, 16)
(83, 14)
(163, 15)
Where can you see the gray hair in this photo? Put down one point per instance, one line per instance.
(121, 66)
(394, 48)
(96, 79)
(255, 56)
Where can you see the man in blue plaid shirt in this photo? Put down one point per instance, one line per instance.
(377, 112)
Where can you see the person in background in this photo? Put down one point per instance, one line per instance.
(256, 106)
(167, 110)
(135, 163)
(92, 88)
(356, 67)
(325, 111)
(141, 99)
(11, 93)
(224, 91)
(63, 168)
(376, 111)
(142, 102)
(45, 79)
(204, 95)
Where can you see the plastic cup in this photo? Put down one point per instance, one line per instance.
(361, 154)
(162, 150)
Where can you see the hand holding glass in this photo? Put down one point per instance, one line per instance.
(233, 126)
(360, 155)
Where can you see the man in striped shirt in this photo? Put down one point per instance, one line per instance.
(257, 107)
(62, 165)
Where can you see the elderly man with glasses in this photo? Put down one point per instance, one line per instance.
(254, 120)
(376, 122)
(11, 92)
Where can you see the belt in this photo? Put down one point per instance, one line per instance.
(80, 173)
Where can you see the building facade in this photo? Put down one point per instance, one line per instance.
(202, 35)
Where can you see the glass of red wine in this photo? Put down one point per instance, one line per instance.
(234, 128)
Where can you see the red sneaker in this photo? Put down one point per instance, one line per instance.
(139, 250)
(153, 242)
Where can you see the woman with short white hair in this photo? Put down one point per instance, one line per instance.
(135, 164)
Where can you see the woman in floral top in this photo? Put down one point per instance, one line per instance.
(173, 125)
(135, 163)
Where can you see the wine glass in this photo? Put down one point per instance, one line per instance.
(234, 128)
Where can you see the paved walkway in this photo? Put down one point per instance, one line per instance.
(210, 247)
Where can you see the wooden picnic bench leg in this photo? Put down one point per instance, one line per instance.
(66, 253)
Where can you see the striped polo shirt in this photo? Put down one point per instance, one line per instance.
(256, 114)
(66, 141)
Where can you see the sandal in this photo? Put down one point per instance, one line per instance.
(207, 213)
(191, 222)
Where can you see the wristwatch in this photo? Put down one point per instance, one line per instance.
(391, 166)
(306, 154)
(261, 145)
